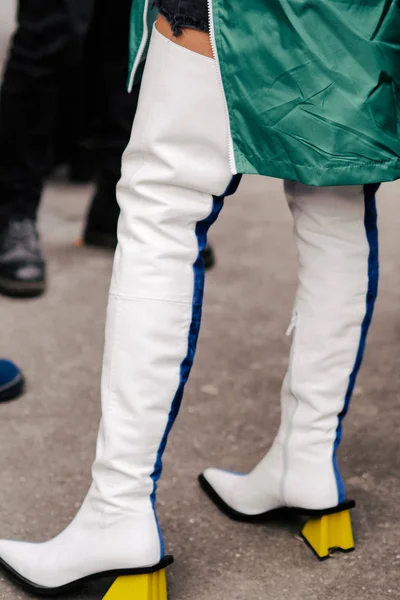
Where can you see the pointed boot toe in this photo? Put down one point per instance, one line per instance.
(21, 561)
(219, 485)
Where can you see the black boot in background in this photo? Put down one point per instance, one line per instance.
(22, 268)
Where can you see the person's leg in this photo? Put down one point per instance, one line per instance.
(107, 55)
(72, 137)
(337, 241)
(175, 173)
(188, 27)
(49, 35)
(114, 108)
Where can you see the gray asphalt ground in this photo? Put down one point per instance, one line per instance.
(230, 413)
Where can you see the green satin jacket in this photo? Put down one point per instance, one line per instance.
(312, 87)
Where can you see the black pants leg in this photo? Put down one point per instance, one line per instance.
(49, 37)
(107, 58)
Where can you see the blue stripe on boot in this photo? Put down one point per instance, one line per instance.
(371, 229)
(202, 228)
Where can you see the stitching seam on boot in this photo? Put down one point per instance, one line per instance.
(144, 298)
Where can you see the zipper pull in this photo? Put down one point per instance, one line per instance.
(292, 326)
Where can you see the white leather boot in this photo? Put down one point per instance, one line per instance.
(176, 160)
(336, 236)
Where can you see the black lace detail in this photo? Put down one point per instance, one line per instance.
(181, 14)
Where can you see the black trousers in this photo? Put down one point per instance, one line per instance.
(52, 39)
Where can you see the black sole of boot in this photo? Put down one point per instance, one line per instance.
(39, 590)
(278, 513)
(22, 289)
(12, 391)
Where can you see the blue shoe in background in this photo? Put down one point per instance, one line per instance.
(11, 381)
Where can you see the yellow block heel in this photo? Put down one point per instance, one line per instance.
(152, 586)
(331, 531)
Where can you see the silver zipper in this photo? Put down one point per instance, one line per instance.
(231, 152)
(142, 46)
(292, 328)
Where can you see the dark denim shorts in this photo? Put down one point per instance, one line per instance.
(184, 13)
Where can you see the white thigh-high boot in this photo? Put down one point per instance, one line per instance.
(175, 174)
(336, 235)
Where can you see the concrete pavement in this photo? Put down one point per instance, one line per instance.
(230, 414)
